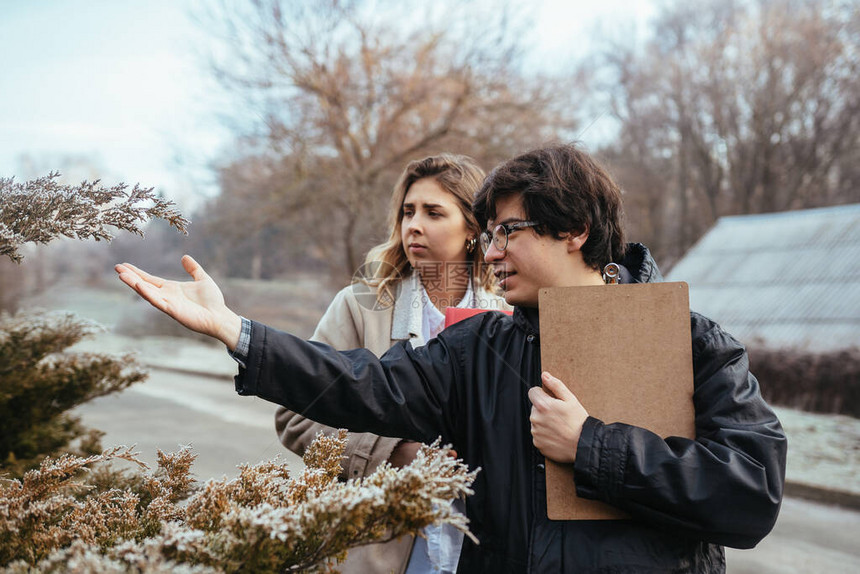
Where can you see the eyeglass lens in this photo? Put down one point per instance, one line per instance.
(499, 238)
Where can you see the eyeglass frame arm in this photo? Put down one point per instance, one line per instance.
(508, 228)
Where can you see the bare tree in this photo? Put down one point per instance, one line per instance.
(347, 92)
(737, 107)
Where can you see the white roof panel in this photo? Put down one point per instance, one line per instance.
(787, 279)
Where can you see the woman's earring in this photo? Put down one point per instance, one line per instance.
(471, 244)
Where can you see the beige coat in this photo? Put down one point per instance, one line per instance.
(353, 320)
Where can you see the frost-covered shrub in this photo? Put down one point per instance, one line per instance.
(66, 516)
(262, 521)
(40, 381)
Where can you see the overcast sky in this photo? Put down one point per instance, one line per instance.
(119, 82)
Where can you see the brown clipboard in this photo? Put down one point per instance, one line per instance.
(625, 352)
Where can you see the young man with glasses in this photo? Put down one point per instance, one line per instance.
(553, 219)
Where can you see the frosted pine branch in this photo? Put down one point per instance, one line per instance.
(39, 210)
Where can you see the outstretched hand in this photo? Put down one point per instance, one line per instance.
(556, 419)
(198, 304)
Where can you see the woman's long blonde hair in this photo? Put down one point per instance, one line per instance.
(460, 176)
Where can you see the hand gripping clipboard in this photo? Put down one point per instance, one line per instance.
(625, 351)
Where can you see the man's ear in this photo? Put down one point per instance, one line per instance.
(575, 242)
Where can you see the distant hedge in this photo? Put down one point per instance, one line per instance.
(813, 382)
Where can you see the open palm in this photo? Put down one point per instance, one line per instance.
(198, 304)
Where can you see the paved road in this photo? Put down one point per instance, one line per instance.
(809, 538)
(225, 430)
(170, 410)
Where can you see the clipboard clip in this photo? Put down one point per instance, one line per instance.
(612, 274)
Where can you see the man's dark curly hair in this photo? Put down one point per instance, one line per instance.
(566, 191)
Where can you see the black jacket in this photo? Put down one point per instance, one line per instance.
(686, 498)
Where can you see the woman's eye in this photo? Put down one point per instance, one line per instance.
(435, 214)
(407, 213)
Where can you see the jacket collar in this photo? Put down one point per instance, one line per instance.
(527, 319)
(638, 266)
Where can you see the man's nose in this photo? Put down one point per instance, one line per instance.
(493, 253)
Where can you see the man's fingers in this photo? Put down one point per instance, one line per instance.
(132, 277)
(148, 292)
(555, 386)
(127, 276)
(193, 268)
(538, 397)
(157, 281)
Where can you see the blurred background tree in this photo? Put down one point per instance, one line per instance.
(345, 94)
(734, 107)
(725, 107)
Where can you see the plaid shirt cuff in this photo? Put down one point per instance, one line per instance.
(240, 354)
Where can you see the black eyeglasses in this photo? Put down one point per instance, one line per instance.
(499, 236)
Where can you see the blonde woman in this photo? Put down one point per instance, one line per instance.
(431, 261)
